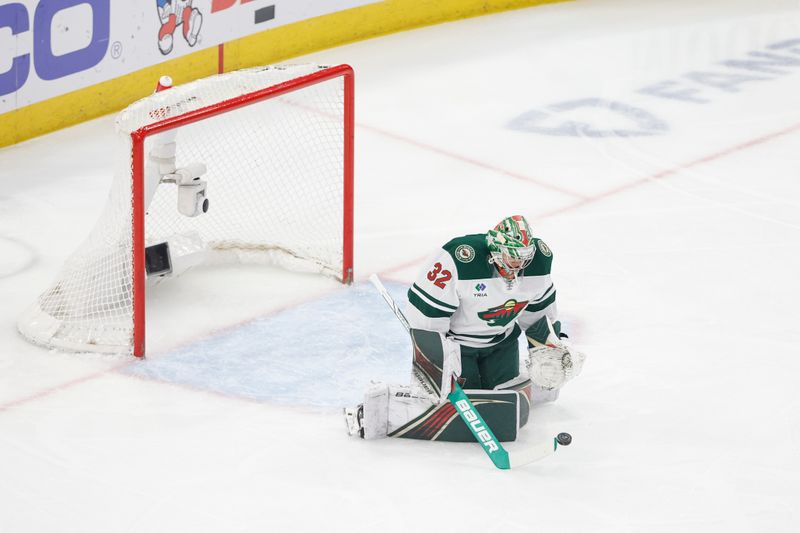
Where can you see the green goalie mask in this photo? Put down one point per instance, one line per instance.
(511, 245)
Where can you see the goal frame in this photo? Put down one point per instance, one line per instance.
(139, 136)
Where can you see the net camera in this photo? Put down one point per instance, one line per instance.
(192, 199)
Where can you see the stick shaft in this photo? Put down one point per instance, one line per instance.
(376, 281)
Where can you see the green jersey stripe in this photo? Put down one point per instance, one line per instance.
(432, 300)
(489, 340)
(474, 336)
(542, 304)
(426, 309)
(550, 288)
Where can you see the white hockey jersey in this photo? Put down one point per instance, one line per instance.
(460, 293)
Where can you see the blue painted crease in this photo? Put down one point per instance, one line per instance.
(318, 354)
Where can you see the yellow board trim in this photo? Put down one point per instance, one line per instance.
(101, 99)
(270, 46)
(357, 24)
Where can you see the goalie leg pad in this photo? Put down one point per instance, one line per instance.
(389, 407)
(435, 359)
(399, 411)
(524, 389)
(499, 409)
(542, 395)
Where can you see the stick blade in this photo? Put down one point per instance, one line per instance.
(530, 454)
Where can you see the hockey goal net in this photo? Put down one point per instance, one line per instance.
(253, 166)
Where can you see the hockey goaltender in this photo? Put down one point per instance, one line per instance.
(466, 311)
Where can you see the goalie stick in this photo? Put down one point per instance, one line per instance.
(501, 458)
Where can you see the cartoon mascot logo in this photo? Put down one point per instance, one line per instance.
(503, 314)
(174, 13)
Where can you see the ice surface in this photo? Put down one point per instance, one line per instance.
(317, 354)
(677, 252)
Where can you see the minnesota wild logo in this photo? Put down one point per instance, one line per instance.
(503, 314)
(465, 253)
(545, 249)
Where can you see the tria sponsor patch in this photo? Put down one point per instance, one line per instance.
(480, 289)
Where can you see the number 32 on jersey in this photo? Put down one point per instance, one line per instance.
(438, 276)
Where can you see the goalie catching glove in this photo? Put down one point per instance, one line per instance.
(551, 361)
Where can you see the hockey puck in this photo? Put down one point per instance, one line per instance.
(564, 439)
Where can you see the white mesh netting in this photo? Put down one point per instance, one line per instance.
(275, 188)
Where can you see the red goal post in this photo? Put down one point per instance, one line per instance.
(275, 145)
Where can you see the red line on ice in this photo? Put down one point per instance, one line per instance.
(673, 170)
(584, 201)
(641, 181)
(419, 144)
